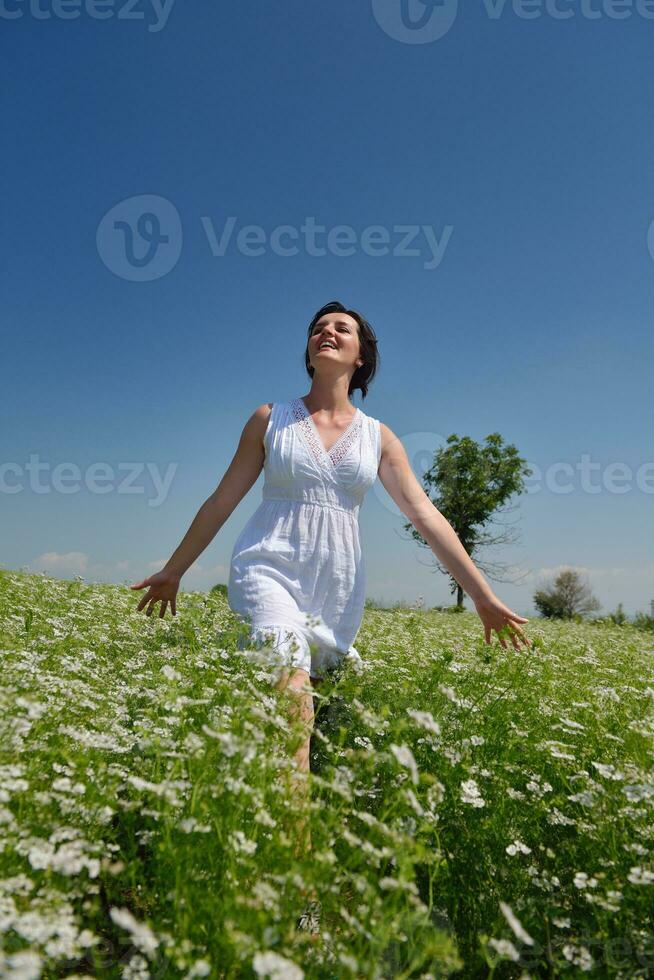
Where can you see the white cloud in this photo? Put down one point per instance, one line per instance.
(583, 570)
(72, 563)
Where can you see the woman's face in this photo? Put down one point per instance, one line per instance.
(342, 331)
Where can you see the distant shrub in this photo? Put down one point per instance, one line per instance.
(643, 621)
(566, 598)
(617, 618)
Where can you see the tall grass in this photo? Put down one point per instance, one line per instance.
(474, 811)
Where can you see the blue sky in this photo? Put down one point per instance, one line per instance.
(518, 153)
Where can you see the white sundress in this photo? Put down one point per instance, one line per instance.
(297, 571)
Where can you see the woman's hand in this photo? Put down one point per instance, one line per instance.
(163, 586)
(496, 616)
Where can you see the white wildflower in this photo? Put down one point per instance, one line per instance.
(639, 791)
(516, 846)
(190, 824)
(136, 968)
(586, 797)
(392, 884)
(452, 696)
(142, 936)
(193, 742)
(405, 757)
(505, 948)
(66, 785)
(470, 793)
(608, 770)
(276, 967)
(415, 802)
(201, 968)
(242, 843)
(583, 881)
(262, 816)
(515, 924)
(640, 876)
(24, 964)
(578, 955)
(572, 724)
(435, 794)
(425, 719)
(556, 817)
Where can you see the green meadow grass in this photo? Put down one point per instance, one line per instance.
(474, 811)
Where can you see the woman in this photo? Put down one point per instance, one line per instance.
(297, 573)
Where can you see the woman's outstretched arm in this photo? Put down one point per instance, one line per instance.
(239, 477)
(399, 480)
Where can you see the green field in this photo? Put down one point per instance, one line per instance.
(474, 811)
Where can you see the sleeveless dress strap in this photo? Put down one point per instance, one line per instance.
(375, 436)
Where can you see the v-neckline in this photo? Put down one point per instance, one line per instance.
(309, 429)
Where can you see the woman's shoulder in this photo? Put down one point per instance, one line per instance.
(264, 411)
(261, 418)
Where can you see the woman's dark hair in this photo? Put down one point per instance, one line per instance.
(368, 343)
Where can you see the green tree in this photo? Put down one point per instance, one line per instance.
(469, 483)
(619, 616)
(566, 597)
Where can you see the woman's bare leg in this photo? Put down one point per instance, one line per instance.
(302, 710)
(293, 681)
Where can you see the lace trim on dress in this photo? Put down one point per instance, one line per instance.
(342, 445)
